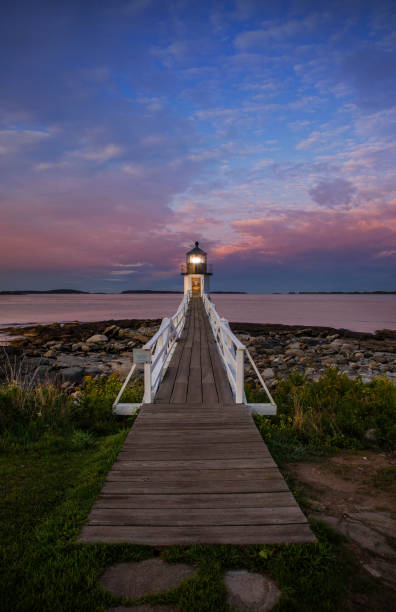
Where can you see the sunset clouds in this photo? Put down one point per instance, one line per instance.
(129, 131)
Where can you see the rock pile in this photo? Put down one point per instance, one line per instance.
(68, 352)
(279, 350)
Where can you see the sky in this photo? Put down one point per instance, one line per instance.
(264, 129)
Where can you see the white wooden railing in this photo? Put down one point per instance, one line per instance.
(232, 352)
(155, 356)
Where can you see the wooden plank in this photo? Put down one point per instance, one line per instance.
(204, 464)
(200, 436)
(180, 407)
(165, 389)
(197, 451)
(189, 431)
(129, 487)
(194, 389)
(247, 475)
(194, 418)
(193, 453)
(208, 425)
(175, 441)
(179, 393)
(180, 517)
(209, 389)
(232, 534)
(178, 441)
(195, 410)
(202, 500)
(192, 426)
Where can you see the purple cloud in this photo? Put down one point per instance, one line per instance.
(335, 193)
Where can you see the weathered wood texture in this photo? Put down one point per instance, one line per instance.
(194, 468)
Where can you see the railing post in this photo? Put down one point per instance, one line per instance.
(240, 375)
(147, 383)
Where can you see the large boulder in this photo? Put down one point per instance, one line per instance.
(97, 339)
(111, 331)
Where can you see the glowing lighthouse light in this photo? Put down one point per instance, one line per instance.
(196, 272)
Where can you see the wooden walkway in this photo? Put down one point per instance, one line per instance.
(194, 468)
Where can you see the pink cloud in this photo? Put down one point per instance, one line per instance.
(287, 234)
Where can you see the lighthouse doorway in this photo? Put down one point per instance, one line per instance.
(196, 287)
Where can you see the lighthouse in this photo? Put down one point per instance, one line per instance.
(196, 272)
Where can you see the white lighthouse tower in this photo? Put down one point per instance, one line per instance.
(196, 272)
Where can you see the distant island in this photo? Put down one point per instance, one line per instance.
(160, 291)
(29, 291)
(76, 291)
(148, 291)
(165, 291)
(342, 292)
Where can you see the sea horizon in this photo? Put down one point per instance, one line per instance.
(356, 312)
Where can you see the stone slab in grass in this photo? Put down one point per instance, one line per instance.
(380, 521)
(248, 592)
(361, 534)
(148, 577)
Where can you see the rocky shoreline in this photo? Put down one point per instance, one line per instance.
(280, 349)
(65, 353)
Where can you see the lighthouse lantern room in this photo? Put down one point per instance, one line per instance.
(196, 272)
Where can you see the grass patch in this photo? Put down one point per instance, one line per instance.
(385, 478)
(317, 418)
(28, 412)
(46, 493)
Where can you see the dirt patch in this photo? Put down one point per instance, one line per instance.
(347, 483)
(353, 493)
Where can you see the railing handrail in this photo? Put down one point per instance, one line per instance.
(157, 352)
(232, 352)
(222, 322)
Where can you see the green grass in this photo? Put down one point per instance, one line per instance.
(386, 478)
(317, 418)
(54, 456)
(27, 412)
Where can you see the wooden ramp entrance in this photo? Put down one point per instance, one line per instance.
(194, 468)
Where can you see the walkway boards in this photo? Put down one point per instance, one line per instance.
(194, 468)
(195, 474)
(195, 374)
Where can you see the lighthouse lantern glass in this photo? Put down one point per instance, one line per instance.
(196, 260)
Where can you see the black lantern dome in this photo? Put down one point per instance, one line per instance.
(196, 261)
(196, 251)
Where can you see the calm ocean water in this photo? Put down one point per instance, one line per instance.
(358, 312)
